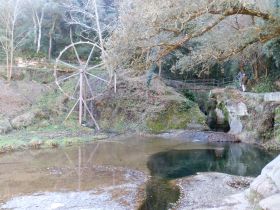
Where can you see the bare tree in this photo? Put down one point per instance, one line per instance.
(38, 13)
(12, 37)
(94, 23)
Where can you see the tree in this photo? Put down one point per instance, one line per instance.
(198, 33)
(93, 21)
(13, 31)
(38, 13)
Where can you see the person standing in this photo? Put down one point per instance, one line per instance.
(244, 81)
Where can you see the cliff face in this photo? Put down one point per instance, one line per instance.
(251, 117)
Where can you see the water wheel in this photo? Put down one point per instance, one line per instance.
(83, 78)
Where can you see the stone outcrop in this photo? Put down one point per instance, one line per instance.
(252, 117)
(265, 189)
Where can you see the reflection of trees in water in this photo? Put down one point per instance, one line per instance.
(246, 160)
(236, 159)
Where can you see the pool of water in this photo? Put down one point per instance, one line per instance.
(118, 170)
(235, 159)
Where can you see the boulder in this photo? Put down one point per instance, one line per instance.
(271, 203)
(5, 126)
(23, 120)
(272, 170)
(263, 186)
(237, 109)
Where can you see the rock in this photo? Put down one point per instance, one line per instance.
(23, 120)
(272, 170)
(263, 186)
(239, 109)
(5, 126)
(211, 190)
(266, 187)
(236, 126)
(252, 117)
(270, 97)
(271, 203)
(221, 137)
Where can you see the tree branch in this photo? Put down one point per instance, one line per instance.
(224, 12)
(188, 38)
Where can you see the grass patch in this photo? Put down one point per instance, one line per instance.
(24, 139)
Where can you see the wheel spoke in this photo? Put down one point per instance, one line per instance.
(93, 67)
(69, 65)
(61, 80)
(97, 77)
(89, 57)
(72, 110)
(77, 55)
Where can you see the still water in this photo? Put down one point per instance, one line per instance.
(114, 174)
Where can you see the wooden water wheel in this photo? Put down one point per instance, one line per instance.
(82, 79)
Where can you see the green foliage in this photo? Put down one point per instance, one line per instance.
(263, 86)
(30, 54)
(223, 108)
(189, 95)
(272, 49)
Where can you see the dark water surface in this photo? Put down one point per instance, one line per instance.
(234, 159)
(104, 164)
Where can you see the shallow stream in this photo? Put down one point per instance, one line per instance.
(116, 174)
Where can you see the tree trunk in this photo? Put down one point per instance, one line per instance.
(39, 20)
(35, 30)
(50, 48)
(39, 39)
(11, 51)
(50, 39)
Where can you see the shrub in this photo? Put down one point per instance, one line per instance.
(264, 85)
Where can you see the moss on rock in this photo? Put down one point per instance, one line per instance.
(175, 116)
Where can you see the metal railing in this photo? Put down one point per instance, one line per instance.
(201, 84)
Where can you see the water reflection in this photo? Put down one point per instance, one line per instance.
(236, 159)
